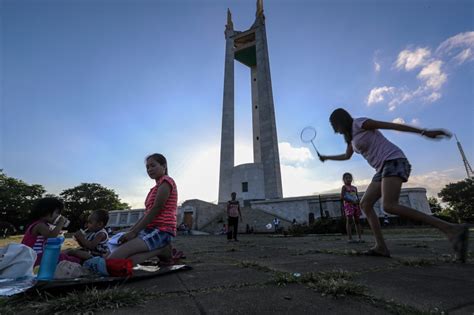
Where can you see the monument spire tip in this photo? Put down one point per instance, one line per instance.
(229, 24)
(259, 8)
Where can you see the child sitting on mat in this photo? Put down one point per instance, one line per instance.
(44, 213)
(152, 234)
(93, 240)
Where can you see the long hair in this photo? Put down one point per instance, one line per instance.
(160, 158)
(343, 120)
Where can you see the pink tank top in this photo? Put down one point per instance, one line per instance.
(34, 241)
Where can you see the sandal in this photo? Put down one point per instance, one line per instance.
(460, 244)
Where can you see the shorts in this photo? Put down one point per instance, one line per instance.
(394, 168)
(351, 210)
(155, 238)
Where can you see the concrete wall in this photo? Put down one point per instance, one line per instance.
(203, 212)
(299, 208)
(124, 218)
(252, 173)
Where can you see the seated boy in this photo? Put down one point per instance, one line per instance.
(93, 240)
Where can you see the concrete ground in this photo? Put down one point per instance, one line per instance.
(315, 274)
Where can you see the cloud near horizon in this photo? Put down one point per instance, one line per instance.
(198, 177)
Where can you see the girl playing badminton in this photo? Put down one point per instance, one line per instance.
(393, 169)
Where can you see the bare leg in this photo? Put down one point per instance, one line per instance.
(391, 187)
(129, 249)
(371, 196)
(81, 254)
(164, 254)
(348, 228)
(358, 227)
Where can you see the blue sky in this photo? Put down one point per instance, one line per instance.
(89, 88)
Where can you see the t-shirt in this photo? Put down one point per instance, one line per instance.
(373, 146)
(166, 219)
(233, 208)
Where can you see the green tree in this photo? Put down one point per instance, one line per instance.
(16, 199)
(460, 197)
(86, 197)
(434, 204)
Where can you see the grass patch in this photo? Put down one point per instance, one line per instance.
(421, 262)
(337, 283)
(281, 279)
(397, 308)
(253, 265)
(10, 239)
(75, 302)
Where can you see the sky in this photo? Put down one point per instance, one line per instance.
(89, 88)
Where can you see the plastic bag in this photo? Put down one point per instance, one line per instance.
(16, 261)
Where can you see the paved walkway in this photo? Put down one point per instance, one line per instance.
(265, 274)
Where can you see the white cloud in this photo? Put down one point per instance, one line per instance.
(464, 55)
(410, 60)
(376, 66)
(432, 75)
(293, 155)
(433, 97)
(301, 181)
(460, 44)
(432, 79)
(399, 120)
(376, 95)
(415, 121)
(400, 97)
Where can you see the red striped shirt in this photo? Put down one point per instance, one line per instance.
(166, 219)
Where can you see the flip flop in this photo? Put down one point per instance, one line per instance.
(372, 252)
(460, 244)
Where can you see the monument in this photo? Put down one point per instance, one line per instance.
(260, 180)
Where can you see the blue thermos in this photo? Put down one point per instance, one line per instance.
(50, 258)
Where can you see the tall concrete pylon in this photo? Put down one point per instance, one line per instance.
(250, 48)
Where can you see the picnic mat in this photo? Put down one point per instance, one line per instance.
(140, 272)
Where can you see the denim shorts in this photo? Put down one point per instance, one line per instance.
(155, 238)
(394, 168)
